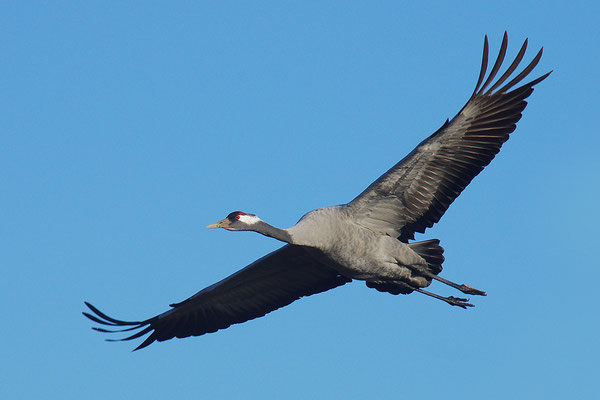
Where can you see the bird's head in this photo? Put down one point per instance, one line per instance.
(237, 221)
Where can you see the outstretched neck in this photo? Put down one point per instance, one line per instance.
(268, 230)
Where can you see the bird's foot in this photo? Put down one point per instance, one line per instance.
(471, 290)
(457, 301)
(453, 301)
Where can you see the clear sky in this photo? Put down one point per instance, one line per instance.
(126, 129)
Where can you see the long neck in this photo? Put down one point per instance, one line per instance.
(265, 229)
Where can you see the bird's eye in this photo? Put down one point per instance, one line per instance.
(234, 215)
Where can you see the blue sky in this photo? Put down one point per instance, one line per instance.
(127, 128)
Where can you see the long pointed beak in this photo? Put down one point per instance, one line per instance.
(220, 224)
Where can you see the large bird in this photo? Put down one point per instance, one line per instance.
(366, 239)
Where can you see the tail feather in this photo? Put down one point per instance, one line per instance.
(432, 252)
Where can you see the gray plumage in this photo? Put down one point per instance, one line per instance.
(366, 239)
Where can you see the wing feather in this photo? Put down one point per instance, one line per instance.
(267, 284)
(420, 188)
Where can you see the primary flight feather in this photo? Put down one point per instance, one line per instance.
(366, 239)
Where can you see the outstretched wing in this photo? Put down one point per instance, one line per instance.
(267, 284)
(415, 193)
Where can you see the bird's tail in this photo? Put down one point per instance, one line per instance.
(432, 252)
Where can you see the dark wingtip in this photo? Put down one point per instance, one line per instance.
(498, 63)
(484, 63)
(104, 319)
(149, 340)
(523, 73)
(538, 80)
(95, 319)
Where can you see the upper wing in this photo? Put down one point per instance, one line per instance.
(267, 284)
(417, 191)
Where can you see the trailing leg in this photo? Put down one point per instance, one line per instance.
(453, 301)
(403, 287)
(463, 288)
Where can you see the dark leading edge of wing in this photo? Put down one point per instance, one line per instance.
(415, 193)
(267, 284)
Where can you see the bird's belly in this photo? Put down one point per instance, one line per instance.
(373, 257)
(363, 261)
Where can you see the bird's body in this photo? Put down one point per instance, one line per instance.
(354, 251)
(366, 239)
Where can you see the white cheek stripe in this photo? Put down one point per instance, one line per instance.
(249, 219)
